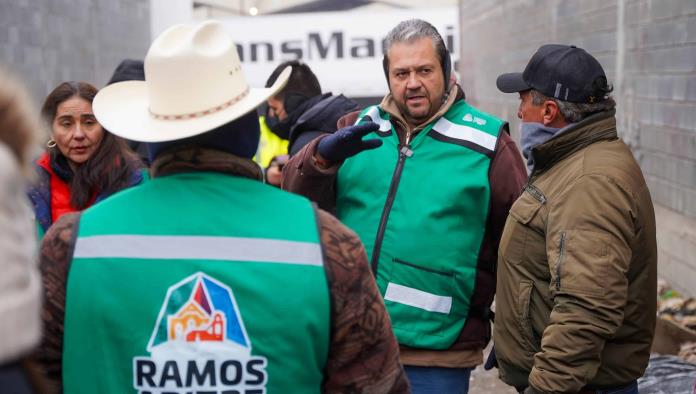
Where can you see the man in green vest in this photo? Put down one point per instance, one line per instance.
(426, 180)
(205, 280)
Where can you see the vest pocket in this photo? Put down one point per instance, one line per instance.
(420, 267)
(419, 300)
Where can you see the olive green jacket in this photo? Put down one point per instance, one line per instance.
(577, 266)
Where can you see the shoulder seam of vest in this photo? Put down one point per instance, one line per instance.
(489, 116)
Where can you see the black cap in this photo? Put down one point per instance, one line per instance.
(128, 70)
(564, 72)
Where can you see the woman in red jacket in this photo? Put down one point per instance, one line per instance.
(83, 163)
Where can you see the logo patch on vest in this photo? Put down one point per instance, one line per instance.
(199, 344)
(474, 119)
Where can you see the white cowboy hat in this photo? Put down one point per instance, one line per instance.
(193, 84)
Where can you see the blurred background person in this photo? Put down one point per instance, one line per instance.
(272, 152)
(270, 145)
(83, 163)
(20, 292)
(300, 112)
(274, 171)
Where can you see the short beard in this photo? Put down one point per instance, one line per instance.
(410, 118)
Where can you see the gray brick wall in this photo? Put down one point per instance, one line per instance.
(648, 49)
(47, 42)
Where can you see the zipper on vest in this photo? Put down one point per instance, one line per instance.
(404, 153)
(561, 252)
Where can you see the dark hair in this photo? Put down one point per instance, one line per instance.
(111, 166)
(575, 112)
(302, 80)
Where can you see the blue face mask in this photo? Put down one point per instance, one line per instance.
(531, 135)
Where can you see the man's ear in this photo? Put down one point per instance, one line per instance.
(551, 115)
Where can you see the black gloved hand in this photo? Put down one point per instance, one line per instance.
(491, 361)
(348, 142)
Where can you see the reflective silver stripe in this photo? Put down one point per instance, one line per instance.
(373, 113)
(418, 298)
(465, 133)
(199, 248)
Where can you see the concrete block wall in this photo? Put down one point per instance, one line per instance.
(648, 50)
(46, 42)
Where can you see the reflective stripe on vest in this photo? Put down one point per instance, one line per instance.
(202, 248)
(374, 115)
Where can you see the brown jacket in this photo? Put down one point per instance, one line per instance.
(363, 353)
(506, 177)
(577, 269)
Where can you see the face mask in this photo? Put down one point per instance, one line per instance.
(271, 121)
(281, 128)
(531, 135)
(277, 126)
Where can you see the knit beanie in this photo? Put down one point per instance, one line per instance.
(128, 70)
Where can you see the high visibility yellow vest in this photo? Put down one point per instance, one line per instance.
(270, 145)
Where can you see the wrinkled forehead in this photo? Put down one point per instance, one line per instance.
(413, 53)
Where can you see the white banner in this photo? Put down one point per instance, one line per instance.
(344, 49)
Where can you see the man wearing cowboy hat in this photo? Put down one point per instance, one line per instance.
(207, 280)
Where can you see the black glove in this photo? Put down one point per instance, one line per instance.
(491, 361)
(348, 142)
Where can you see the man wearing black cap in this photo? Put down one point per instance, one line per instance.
(575, 305)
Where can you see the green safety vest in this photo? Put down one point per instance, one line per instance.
(197, 283)
(421, 211)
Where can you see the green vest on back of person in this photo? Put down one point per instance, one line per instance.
(421, 212)
(197, 282)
